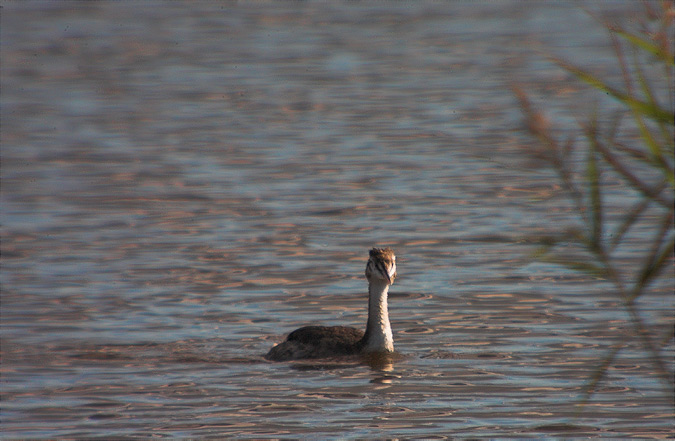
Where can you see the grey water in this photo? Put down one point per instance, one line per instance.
(183, 183)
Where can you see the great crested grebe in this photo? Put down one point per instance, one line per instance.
(333, 341)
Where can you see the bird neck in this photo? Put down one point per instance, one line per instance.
(378, 336)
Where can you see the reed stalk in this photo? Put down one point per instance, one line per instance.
(644, 163)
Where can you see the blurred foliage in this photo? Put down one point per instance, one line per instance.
(634, 144)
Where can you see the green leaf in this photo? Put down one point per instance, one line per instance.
(652, 192)
(629, 220)
(646, 45)
(655, 147)
(648, 109)
(593, 177)
(598, 374)
(576, 264)
(653, 268)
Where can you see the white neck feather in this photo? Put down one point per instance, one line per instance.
(378, 336)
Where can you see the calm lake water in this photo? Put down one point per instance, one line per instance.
(184, 183)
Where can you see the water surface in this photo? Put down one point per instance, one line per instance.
(183, 184)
